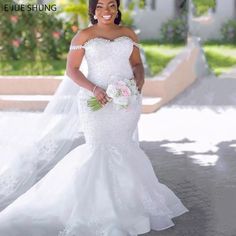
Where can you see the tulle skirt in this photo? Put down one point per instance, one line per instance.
(95, 190)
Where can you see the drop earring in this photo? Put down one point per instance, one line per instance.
(95, 17)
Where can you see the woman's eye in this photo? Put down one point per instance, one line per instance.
(98, 7)
(112, 5)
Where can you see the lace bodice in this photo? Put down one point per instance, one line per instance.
(106, 58)
(108, 61)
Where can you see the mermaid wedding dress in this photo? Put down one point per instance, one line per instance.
(107, 186)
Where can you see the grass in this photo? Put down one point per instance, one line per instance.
(52, 67)
(221, 58)
(158, 55)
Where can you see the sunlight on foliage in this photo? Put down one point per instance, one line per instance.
(202, 6)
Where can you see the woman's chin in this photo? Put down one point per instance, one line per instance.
(108, 22)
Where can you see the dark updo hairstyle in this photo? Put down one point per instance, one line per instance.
(92, 8)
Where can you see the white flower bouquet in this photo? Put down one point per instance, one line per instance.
(121, 93)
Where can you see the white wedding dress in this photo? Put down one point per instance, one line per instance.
(107, 186)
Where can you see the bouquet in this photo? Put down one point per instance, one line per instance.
(121, 93)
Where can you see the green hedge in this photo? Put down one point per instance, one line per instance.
(34, 35)
(228, 31)
(174, 31)
(41, 35)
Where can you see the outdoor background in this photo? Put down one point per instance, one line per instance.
(36, 43)
(187, 127)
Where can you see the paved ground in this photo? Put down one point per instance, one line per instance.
(209, 192)
(196, 157)
(230, 74)
(193, 152)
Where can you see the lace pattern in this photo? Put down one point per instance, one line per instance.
(77, 47)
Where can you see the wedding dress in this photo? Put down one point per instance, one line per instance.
(107, 185)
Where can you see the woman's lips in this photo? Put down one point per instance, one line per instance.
(107, 17)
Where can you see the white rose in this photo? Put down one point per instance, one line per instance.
(111, 91)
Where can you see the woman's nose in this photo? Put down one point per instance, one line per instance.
(106, 9)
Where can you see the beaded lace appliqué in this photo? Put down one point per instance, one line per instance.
(77, 47)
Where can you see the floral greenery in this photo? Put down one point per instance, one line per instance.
(16, 42)
(141, 4)
(77, 10)
(40, 35)
(228, 31)
(174, 31)
(127, 14)
(34, 35)
(202, 6)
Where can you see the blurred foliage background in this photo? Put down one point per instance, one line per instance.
(203, 6)
(37, 42)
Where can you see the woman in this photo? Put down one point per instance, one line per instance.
(106, 186)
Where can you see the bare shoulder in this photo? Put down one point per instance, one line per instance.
(82, 36)
(130, 33)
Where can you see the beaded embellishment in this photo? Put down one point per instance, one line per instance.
(72, 47)
(76, 47)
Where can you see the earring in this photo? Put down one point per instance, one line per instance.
(117, 15)
(95, 17)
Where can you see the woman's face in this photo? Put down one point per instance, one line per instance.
(106, 11)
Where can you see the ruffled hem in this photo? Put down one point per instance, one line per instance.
(147, 223)
(110, 191)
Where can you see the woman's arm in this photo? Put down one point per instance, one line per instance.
(138, 71)
(136, 61)
(74, 60)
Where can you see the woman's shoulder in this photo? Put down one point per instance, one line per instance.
(82, 36)
(127, 31)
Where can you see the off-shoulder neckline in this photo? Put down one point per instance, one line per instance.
(108, 40)
(104, 39)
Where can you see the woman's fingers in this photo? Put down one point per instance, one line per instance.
(140, 85)
(103, 99)
(102, 96)
(109, 99)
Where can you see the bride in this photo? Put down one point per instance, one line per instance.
(106, 186)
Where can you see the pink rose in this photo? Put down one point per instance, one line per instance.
(125, 91)
(56, 34)
(14, 19)
(16, 43)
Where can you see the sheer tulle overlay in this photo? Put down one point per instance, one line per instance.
(107, 186)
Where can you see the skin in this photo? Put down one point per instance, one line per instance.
(105, 29)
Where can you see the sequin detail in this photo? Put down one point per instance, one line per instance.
(77, 47)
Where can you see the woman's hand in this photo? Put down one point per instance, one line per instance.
(139, 83)
(101, 95)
